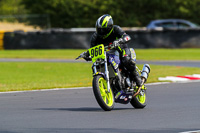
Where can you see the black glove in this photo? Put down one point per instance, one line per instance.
(125, 39)
(115, 44)
(86, 56)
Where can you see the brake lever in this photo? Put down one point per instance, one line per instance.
(82, 55)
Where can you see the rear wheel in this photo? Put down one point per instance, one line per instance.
(104, 98)
(140, 100)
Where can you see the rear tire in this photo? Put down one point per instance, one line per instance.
(105, 99)
(139, 101)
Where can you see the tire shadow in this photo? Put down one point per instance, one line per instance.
(84, 109)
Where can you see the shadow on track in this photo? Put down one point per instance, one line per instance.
(105, 130)
(83, 109)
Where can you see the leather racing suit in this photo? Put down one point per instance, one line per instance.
(125, 54)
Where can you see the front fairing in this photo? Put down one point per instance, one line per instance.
(113, 59)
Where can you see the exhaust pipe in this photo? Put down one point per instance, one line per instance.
(144, 75)
(145, 72)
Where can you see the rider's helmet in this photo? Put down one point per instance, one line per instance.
(104, 26)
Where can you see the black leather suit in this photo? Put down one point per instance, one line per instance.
(125, 54)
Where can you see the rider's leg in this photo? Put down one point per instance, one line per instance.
(130, 64)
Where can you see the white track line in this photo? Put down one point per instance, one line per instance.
(178, 79)
(172, 78)
(197, 131)
(41, 90)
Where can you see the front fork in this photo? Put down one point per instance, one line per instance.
(106, 71)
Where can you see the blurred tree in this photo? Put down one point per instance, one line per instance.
(70, 13)
(84, 13)
(10, 7)
(189, 10)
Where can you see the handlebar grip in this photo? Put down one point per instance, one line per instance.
(77, 58)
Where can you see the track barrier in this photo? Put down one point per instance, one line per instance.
(80, 38)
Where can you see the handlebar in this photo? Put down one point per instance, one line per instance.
(111, 46)
(82, 55)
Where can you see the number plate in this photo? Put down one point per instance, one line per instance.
(97, 52)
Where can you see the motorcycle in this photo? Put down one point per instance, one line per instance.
(111, 81)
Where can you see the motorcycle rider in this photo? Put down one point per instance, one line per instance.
(109, 34)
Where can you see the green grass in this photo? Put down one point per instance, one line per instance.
(168, 54)
(30, 76)
(41, 54)
(34, 76)
(16, 76)
(142, 54)
(163, 71)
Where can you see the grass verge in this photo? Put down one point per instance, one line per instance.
(42, 54)
(168, 54)
(142, 54)
(34, 76)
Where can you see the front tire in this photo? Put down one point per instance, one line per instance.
(104, 98)
(140, 101)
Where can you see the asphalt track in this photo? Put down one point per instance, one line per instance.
(170, 63)
(171, 108)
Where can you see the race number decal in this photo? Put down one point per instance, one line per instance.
(97, 52)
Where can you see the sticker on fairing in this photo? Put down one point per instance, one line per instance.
(118, 94)
(133, 54)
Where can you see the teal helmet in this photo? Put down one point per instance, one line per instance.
(104, 26)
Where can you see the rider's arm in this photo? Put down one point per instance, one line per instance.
(123, 37)
(87, 56)
(92, 44)
(93, 40)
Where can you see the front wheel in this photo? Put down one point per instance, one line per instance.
(140, 100)
(104, 98)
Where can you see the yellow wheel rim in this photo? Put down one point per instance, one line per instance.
(142, 98)
(106, 96)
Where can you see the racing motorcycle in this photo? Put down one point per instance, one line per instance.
(112, 82)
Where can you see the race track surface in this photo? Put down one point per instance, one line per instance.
(170, 63)
(171, 108)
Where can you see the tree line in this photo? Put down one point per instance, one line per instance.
(84, 13)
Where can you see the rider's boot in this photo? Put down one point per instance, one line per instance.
(119, 79)
(137, 78)
(130, 64)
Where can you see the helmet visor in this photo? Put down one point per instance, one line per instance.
(103, 31)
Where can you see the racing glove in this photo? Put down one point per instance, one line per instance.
(86, 56)
(125, 39)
